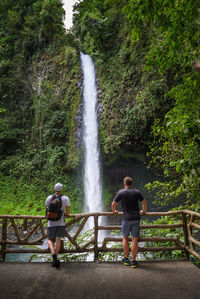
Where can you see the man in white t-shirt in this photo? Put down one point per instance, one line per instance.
(56, 229)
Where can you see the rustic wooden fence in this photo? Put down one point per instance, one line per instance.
(19, 230)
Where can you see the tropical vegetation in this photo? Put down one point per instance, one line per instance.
(146, 55)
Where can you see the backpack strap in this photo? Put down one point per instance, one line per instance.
(60, 198)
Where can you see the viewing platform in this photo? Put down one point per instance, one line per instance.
(158, 279)
(151, 280)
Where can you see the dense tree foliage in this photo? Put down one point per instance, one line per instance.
(39, 72)
(174, 50)
(145, 53)
(130, 98)
(148, 88)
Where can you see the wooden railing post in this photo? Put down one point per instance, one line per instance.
(191, 240)
(185, 231)
(96, 230)
(190, 227)
(25, 227)
(4, 237)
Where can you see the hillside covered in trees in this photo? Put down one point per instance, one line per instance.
(146, 55)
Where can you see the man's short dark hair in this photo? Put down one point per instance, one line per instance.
(128, 181)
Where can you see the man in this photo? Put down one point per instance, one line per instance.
(129, 198)
(56, 229)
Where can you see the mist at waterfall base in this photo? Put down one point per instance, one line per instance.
(92, 173)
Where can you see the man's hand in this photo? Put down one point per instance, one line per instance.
(144, 207)
(142, 212)
(114, 204)
(67, 211)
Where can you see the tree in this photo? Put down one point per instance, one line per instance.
(173, 51)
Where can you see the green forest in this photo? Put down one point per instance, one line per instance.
(147, 60)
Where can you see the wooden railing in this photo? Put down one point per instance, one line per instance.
(19, 230)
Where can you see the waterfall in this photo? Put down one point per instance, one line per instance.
(92, 177)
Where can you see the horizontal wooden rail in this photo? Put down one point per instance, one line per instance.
(29, 230)
(144, 249)
(178, 212)
(191, 213)
(95, 214)
(144, 239)
(118, 227)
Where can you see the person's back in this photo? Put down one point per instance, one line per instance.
(56, 226)
(129, 198)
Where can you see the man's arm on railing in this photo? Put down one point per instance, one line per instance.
(114, 204)
(144, 207)
(67, 210)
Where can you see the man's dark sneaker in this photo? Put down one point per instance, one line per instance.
(54, 256)
(125, 261)
(55, 262)
(134, 264)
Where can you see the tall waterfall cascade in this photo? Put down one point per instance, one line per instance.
(92, 176)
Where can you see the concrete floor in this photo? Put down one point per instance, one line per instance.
(151, 280)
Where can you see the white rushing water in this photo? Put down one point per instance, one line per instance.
(92, 177)
(68, 7)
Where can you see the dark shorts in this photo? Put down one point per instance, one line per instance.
(56, 231)
(132, 227)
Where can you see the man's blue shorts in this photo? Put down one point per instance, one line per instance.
(132, 227)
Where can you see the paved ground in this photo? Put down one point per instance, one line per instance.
(152, 280)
